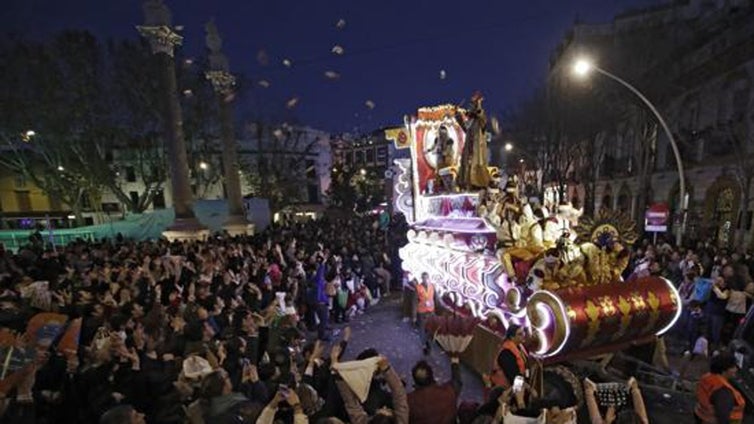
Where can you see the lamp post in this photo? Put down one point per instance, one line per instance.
(583, 67)
(223, 83)
(162, 39)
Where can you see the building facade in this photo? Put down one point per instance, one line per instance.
(301, 154)
(696, 60)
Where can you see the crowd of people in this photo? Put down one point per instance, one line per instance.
(717, 291)
(239, 330)
(715, 284)
(224, 330)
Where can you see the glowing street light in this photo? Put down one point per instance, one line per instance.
(521, 160)
(60, 168)
(203, 166)
(508, 147)
(582, 67)
(363, 171)
(28, 135)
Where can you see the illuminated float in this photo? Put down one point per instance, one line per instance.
(494, 257)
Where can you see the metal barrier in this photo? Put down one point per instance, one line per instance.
(15, 239)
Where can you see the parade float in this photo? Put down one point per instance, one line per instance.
(494, 256)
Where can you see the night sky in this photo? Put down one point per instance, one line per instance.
(394, 50)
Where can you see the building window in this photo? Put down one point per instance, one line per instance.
(130, 174)
(55, 203)
(359, 157)
(134, 195)
(739, 102)
(86, 202)
(110, 207)
(312, 193)
(158, 202)
(381, 154)
(20, 181)
(370, 156)
(311, 169)
(23, 200)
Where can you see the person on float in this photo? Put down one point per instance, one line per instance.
(563, 220)
(717, 401)
(544, 231)
(512, 360)
(425, 308)
(474, 156)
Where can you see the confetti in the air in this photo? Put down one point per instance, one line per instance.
(338, 49)
(179, 27)
(188, 93)
(229, 98)
(262, 58)
(287, 63)
(278, 133)
(290, 104)
(341, 23)
(332, 75)
(188, 61)
(264, 83)
(442, 74)
(369, 104)
(495, 124)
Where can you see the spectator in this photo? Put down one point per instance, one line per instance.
(717, 401)
(431, 402)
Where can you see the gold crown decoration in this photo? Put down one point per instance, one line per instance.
(607, 226)
(438, 113)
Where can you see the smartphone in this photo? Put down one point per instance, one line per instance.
(518, 383)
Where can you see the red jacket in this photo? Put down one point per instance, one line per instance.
(434, 404)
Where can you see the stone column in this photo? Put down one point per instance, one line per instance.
(163, 40)
(223, 83)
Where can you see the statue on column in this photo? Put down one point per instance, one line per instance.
(473, 171)
(156, 13)
(217, 59)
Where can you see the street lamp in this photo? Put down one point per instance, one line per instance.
(582, 67)
(203, 165)
(363, 171)
(508, 147)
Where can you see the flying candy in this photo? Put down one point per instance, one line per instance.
(341, 23)
(332, 75)
(290, 104)
(338, 49)
(370, 104)
(287, 63)
(264, 83)
(442, 74)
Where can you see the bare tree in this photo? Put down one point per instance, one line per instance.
(278, 170)
(641, 130)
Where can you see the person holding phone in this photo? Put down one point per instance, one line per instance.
(513, 359)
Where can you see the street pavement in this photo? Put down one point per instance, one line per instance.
(382, 327)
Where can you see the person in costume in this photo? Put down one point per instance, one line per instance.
(474, 157)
